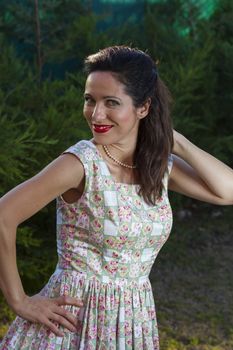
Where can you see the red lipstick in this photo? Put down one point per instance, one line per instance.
(101, 128)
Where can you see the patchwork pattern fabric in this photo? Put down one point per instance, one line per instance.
(107, 243)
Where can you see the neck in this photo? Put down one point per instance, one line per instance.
(124, 152)
(114, 154)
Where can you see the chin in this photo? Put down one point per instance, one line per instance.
(102, 140)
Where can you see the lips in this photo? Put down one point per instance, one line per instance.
(101, 128)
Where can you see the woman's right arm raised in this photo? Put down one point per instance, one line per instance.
(18, 205)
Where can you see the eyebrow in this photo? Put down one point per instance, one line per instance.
(105, 97)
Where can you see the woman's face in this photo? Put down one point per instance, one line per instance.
(109, 111)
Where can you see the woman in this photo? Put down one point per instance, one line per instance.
(113, 213)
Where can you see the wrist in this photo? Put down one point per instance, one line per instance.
(15, 304)
(14, 298)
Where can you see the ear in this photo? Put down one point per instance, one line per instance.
(143, 110)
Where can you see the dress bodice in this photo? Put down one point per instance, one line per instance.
(110, 233)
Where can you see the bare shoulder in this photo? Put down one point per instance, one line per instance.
(62, 174)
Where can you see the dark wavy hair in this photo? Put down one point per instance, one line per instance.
(138, 72)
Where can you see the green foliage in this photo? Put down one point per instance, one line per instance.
(6, 317)
(38, 121)
(195, 59)
(65, 31)
(221, 26)
(41, 106)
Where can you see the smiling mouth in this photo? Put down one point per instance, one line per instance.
(102, 128)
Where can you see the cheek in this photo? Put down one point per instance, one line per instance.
(87, 113)
(128, 117)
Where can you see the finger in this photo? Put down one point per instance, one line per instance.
(63, 322)
(54, 328)
(68, 300)
(66, 314)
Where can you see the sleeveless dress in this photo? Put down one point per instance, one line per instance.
(107, 242)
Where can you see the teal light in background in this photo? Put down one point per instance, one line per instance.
(206, 6)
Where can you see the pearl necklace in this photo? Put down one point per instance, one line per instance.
(116, 160)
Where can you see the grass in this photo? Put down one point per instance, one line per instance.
(6, 316)
(192, 281)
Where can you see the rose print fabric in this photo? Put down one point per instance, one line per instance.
(107, 242)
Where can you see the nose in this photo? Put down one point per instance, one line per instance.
(98, 113)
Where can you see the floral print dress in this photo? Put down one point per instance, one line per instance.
(107, 242)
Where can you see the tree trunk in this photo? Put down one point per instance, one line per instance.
(38, 39)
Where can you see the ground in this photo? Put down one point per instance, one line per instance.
(192, 282)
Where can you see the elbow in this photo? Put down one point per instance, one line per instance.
(3, 223)
(227, 200)
(225, 197)
(6, 227)
(3, 228)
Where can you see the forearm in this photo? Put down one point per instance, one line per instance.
(10, 282)
(46, 311)
(215, 174)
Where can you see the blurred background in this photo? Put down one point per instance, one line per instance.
(42, 47)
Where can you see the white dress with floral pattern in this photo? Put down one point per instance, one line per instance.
(107, 242)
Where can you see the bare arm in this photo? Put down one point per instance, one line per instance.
(199, 175)
(15, 207)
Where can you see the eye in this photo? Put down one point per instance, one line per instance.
(88, 100)
(112, 103)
